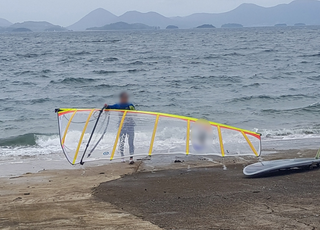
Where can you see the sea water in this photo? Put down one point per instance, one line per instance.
(261, 79)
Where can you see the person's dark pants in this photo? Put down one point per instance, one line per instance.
(127, 131)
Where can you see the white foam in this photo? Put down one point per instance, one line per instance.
(289, 134)
(44, 145)
(50, 144)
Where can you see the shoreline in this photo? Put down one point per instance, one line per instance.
(67, 198)
(19, 165)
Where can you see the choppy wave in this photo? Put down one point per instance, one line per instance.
(40, 100)
(79, 53)
(102, 86)
(28, 55)
(73, 80)
(310, 55)
(315, 78)
(287, 134)
(109, 86)
(273, 98)
(26, 72)
(106, 41)
(104, 72)
(43, 76)
(30, 144)
(111, 59)
(252, 85)
(216, 79)
(46, 71)
(22, 83)
(313, 108)
(210, 56)
(232, 54)
(28, 139)
(269, 50)
(137, 63)
(231, 79)
(135, 70)
(109, 72)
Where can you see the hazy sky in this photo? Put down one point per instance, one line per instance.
(66, 12)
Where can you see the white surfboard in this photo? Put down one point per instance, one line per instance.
(266, 167)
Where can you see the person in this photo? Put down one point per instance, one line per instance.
(128, 125)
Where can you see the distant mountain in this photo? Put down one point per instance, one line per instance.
(36, 26)
(150, 18)
(232, 25)
(304, 11)
(206, 26)
(101, 17)
(21, 30)
(299, 11)
(172, 27)
(4, 23)
(124, 26)
(56, 29)
(96, 18)
(281, 25)
(299, 24)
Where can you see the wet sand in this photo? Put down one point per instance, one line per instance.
(194, 194)
(214, 198)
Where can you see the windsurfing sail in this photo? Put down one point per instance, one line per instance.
(95, 134)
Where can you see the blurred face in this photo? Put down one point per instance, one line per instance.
(124, 98)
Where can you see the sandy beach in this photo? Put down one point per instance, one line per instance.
(62, 199)
(195, 194)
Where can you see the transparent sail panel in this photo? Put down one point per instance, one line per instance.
(92, 134)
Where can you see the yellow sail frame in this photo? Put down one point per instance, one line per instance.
(158, 115)
(118, 135)
(82, 135)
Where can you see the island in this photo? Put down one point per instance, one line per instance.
(56, 29)
(21, 30)
(124, 26)
(232, 25)
(299, 24)
(206, 26)
(281, 25)
(172, 27)
(36, 26)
